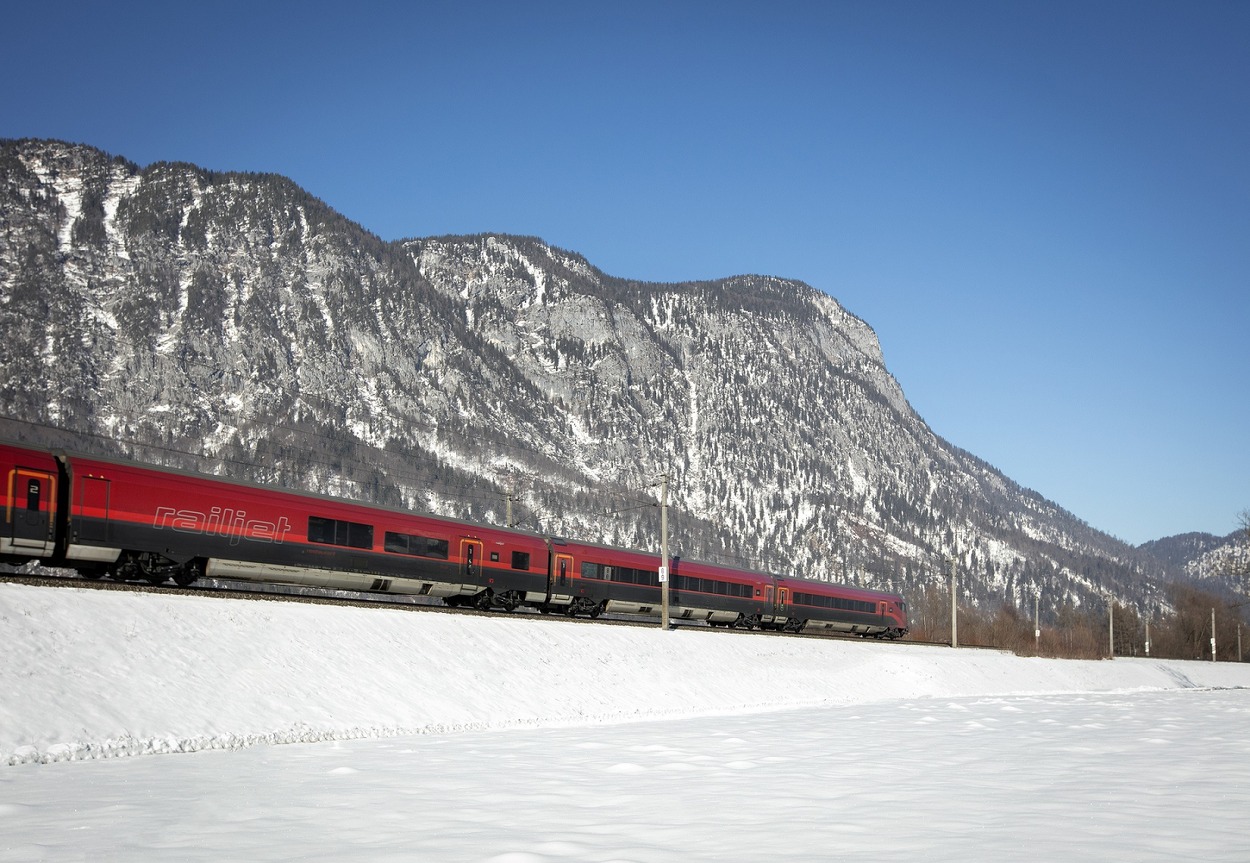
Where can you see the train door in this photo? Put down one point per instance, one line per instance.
(471, 554)
(91, 514)
(563, 571)
(783, 602)
(32, 526)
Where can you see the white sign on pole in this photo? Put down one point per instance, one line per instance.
(663, 574)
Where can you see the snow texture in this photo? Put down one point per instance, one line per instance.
(802, 749)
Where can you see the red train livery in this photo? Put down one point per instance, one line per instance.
(132, 521)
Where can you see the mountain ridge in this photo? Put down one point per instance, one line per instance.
(238, 317)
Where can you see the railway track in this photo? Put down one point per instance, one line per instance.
(260, 592)
(222, 589)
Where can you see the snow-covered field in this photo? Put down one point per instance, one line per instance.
(449, 738)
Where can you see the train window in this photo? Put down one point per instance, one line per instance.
(331, 531)
(494, 557)
(521, 560)
(622, 574)
(359, 535)
(417, 546)
(645, 576)
(710, 585)
(34, 490)
(320, 529)
(834, 602)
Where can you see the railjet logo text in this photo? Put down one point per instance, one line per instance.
(222, 521)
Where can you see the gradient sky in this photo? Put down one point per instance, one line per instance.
(1042, 208)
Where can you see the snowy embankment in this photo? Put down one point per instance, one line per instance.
(92, 674)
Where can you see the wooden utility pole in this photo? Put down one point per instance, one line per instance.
(954, 608)
(1213, 635)
(1240, 656)
(664, 551)
(1037, 624)
(1111, 625)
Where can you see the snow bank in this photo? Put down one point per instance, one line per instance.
(94, 674)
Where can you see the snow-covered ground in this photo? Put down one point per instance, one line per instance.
(425, 736)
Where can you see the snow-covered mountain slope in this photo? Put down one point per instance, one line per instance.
(169, 310)
(1226, 564)
(1221, 563)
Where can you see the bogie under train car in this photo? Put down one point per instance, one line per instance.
(137, 522)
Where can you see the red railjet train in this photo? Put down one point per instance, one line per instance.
(138, 522)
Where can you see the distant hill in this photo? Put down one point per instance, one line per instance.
(1184, 548)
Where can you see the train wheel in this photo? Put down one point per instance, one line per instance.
(188, 573)
(146, 566)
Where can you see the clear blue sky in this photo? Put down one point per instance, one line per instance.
(1042, 208)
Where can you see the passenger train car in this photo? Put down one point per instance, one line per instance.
(131, 521)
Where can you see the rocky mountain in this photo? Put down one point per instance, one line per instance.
(236, 324)
(1220, 563)
(1185, 548)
